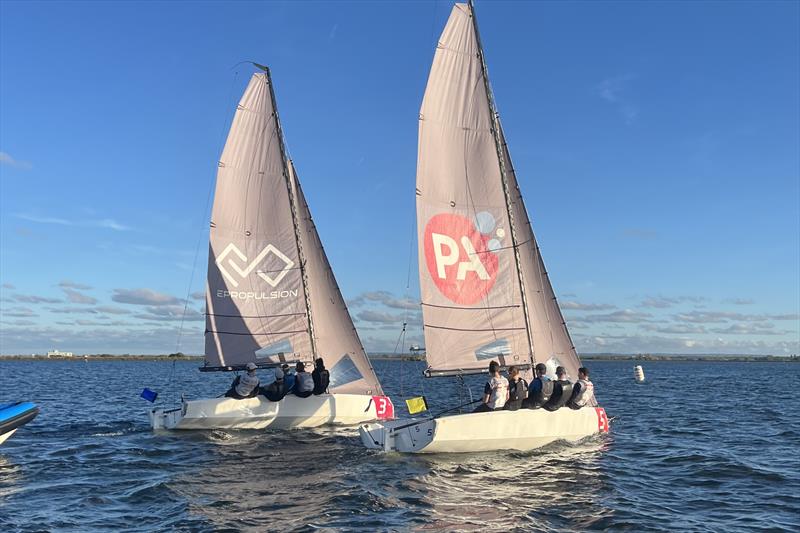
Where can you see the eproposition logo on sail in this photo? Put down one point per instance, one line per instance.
(460, 254)
(242, 273)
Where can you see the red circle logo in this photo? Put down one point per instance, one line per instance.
(459, 257)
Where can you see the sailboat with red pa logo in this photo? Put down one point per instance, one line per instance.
(485, 292)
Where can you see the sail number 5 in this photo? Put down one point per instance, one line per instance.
(383, 407)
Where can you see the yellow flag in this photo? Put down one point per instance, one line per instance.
(417, 405)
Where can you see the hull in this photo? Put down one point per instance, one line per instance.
(14, 416)
(260, 413)
(525, 429)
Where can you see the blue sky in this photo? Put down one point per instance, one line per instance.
(656, 144)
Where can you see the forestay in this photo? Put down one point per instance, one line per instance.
(470, 280)
(260, 307)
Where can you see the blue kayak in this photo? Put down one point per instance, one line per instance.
(15, 415)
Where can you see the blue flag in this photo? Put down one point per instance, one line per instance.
(149, 395)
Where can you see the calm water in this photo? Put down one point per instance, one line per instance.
(699, 447)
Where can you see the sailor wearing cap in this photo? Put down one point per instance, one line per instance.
(245, 386)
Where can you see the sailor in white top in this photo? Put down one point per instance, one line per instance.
(583, 393)
(245, 386)
(495, 393)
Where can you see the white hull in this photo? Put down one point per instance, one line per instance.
(525, 429)
(4, 436)
(260, 413)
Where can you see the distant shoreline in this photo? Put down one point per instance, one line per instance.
(390, 357)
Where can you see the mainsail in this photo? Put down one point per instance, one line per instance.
(485, 292)
(271, 295)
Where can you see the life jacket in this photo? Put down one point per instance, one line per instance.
(517, 392)
(247, 384)
(275, 391)
(542, 394)
(322, 379)
(304, 382)
(584, 395)
(499, 389)
(562, 392)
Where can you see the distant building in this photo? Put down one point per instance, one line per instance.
(57, 353)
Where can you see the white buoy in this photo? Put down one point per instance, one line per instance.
(638, 373)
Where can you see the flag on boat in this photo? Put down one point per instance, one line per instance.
(417, 405)
(149, 395)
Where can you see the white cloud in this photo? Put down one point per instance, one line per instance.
(93, 223)
(78, 297)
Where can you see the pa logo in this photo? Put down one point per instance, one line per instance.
(461, 255)
(242, 273)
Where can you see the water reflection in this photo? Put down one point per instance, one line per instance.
(547, 490)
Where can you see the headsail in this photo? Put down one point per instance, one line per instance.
(336, 337)
(482, 299)
(260, 305)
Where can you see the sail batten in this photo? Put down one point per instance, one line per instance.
(482, 281)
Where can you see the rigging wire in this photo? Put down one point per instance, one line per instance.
(205, 216)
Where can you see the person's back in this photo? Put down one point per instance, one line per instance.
(583, 392)
(321, 377)
(562, 391)
(303, 382)
(541, 388)
(246, 385)
(276, 390)
(517, 389)
(495, 393)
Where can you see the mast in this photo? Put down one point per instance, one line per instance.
(501, 161)
(293, 208)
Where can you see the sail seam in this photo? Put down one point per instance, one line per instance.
(255, 316)
(471, 308)
(472, 329)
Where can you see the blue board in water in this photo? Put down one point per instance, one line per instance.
(15, 415)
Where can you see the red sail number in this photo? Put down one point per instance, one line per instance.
(602, 420)
(383, 407)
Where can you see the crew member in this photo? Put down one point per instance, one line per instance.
(321, 377)
(303, 382)
(245, 386)
(583, 392)
(495, 393)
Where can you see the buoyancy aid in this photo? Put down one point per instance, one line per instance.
(584, 395)
(517, 392)
(322, 379)
(247, 384)
(540, 392)
(562, 392)
(499, 389)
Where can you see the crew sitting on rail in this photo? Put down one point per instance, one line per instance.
(517, 389)
(288, 377)
(322, 377)
(303, 382)
(276, 390)
(562, 390)
(495, 393)
(541, 388)
(245, 386)
(583, 392)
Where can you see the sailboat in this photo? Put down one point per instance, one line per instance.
(485, 291)
(271, 296)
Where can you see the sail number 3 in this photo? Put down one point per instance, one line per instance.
(383, 407)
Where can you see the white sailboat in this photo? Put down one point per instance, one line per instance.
(485, 291)
(271, 296)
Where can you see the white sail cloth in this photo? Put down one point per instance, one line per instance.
(469, 281)
(256, 295)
